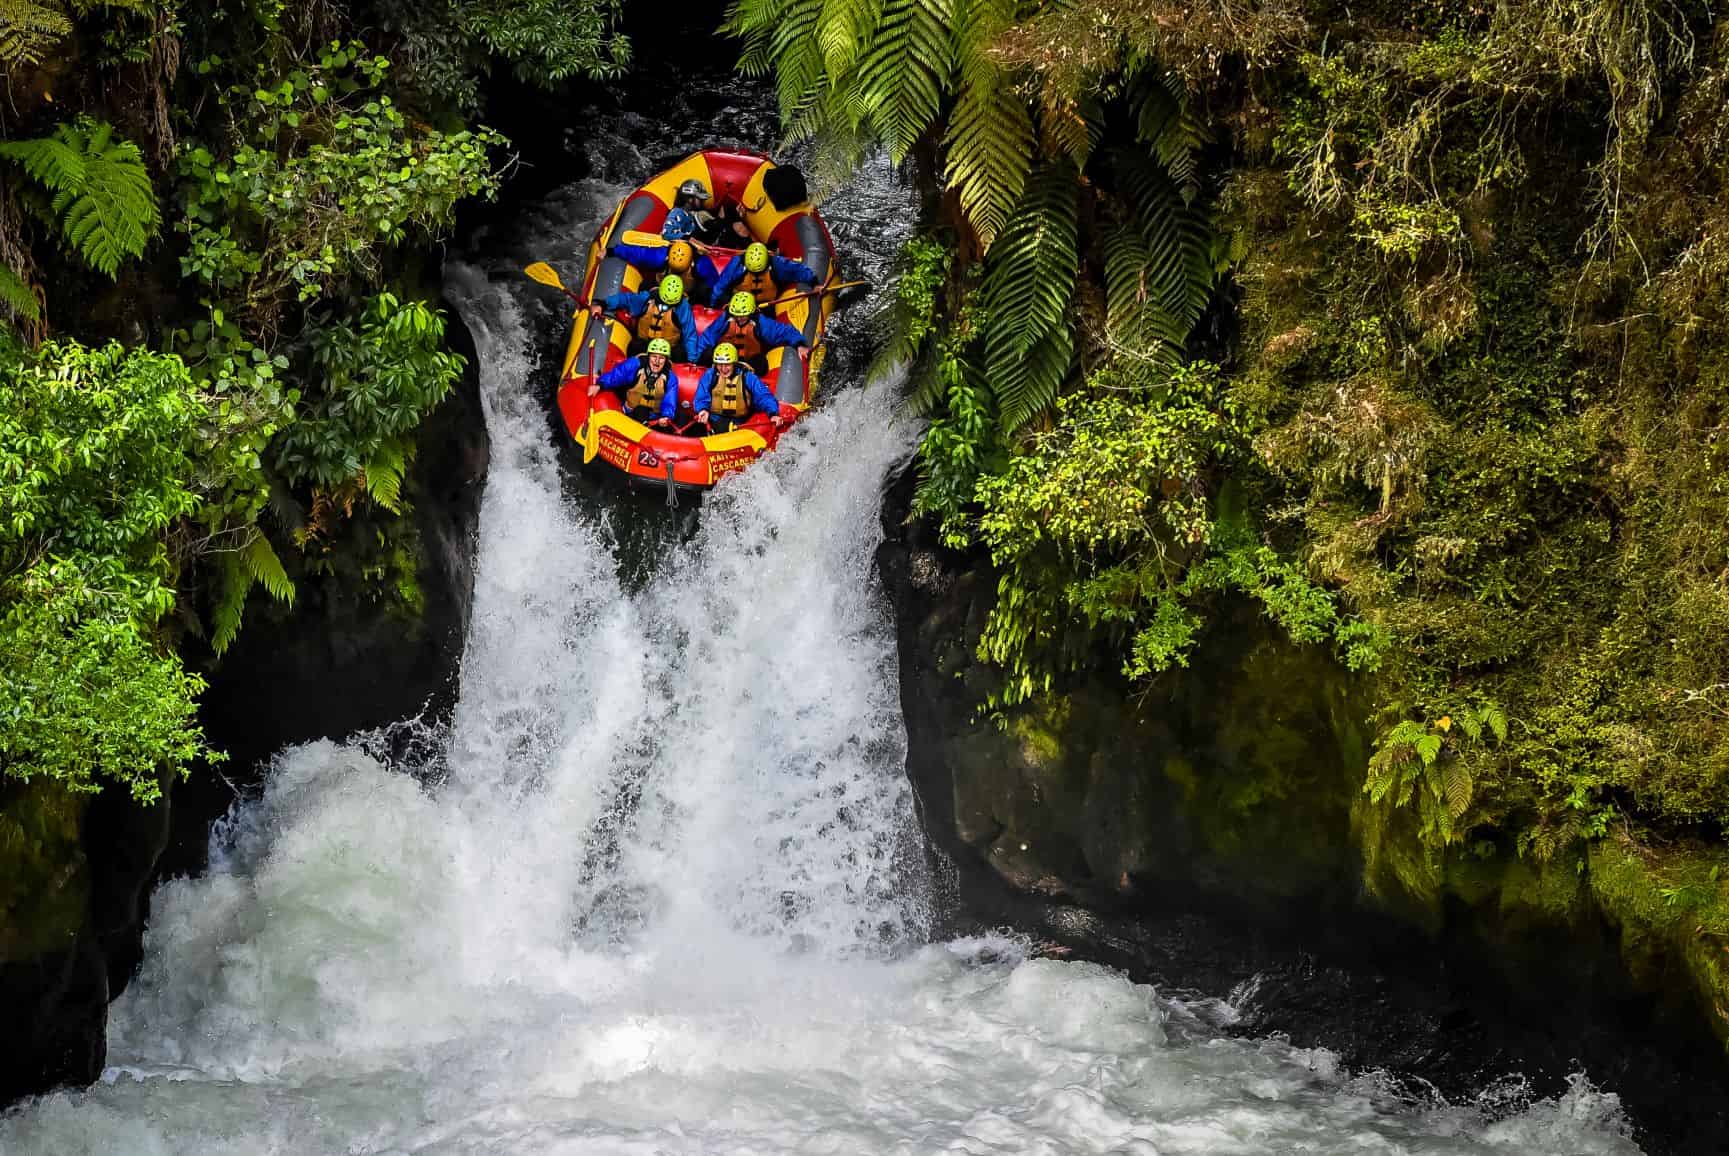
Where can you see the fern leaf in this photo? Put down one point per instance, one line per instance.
(1458, 787)
(1165, 121)
(907, 70)
(1180, 271)
(19, 296)
(1497, 720)
(262, 566)
(1030, 275)
(51, 162)
(103, 200)
(383, 476)
(988, 148)
(1075, 128)
(28, 30)
(1026, 385)
(233, 583)
(843, 30)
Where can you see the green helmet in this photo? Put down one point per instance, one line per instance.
(741, 305)
(725, 353)
(671, 290)
(661, 346)
(756, 256)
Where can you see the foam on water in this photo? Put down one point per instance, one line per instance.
(664, 892)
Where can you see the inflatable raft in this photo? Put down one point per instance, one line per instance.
(601, 428)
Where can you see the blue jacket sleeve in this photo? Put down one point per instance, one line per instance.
(704, 391)
(728, 277)
(761, 395)
(669, 399)
(774, 331)
(621, 375)
(706, 340)
(687, 326)
(787, 270)
(631, 303)
(649, 257)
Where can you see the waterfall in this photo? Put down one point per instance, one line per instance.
(662, 889)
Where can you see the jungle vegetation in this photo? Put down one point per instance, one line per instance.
(1406, 322)
(215, 347)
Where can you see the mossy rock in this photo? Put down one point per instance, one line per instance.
(44, 878)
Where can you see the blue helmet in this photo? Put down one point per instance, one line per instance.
(679, 225)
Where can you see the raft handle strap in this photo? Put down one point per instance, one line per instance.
(671, 490)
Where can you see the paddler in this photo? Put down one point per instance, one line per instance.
(761, 274)
(747, 329)
(678, 259)
(663, 313)
(726, 394)
(644, 379)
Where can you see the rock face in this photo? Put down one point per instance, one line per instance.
(76, 872)
(1199, 836)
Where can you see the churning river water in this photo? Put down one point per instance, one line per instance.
(661, 890)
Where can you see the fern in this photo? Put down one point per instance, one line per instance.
(102, 200)
(1180, 272)
(265, 568)
(908, 70)
(28, 29)
(383, 476)
(1165, 121)
(19, 296)
(1028, 285)
(237, 572)
(989, 142)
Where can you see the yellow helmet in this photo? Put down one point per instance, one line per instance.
(671, 290)
(679, 256)
(661, 346)
(725, 353)
(741, 305)
(756, 256)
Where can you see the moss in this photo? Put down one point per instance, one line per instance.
(44, 883)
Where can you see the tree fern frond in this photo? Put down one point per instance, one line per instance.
(1025, 384)
(1165, 121)
(1136, 321)
(262, 566)
(1074, 127)
(1457, 787)
(103, 201)
(28, 30)
(988, 148)
(1030, 274)
(843, 31)
(907, 70)
(19, 296)
(1180, 273)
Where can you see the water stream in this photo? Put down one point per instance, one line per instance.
(662, 889)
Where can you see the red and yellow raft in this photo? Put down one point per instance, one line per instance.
(596, 345)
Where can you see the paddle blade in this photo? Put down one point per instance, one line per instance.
(546, 275)
(638, 237)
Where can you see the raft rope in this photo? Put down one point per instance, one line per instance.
(671, 490)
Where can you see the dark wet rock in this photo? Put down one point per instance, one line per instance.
(1198, 835)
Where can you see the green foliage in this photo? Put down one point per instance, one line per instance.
(101, 199)
(324, 174)
(98, 453)
(377, 377)
(1103, 532)
(547, 41)
(28, 29)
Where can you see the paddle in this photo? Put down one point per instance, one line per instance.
(655, 241)
(813, 293)
(581, 404)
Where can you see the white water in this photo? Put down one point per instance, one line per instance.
(664, 897)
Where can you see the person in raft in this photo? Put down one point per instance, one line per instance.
(678, 259)
(726, 394)
(747, 329)
(664, 313)
(761, 274)
(645, 380)
(724, 226)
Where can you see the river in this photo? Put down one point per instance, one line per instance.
(660, 886)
